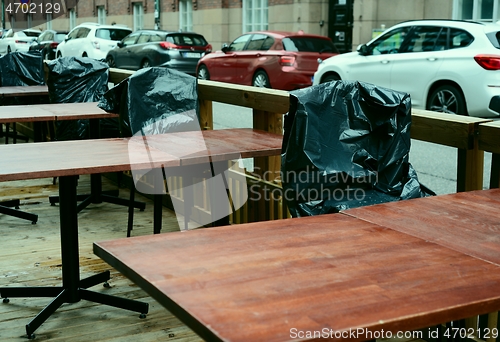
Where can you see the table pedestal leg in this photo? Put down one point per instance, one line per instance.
(74, 288)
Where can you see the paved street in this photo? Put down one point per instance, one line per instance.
(436, 165)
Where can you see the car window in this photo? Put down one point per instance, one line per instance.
(59, 37)
(256, 42)
(157, 38)
(389, 42)
(144, 38)
(494, 38)
(460, 38)
(187, 39)
(31, 33)
(83, 32)
(130, 40)
(425, 38)
(73, 34)
(308, 44)
(239, 43)
(10, 34)
(111, 34)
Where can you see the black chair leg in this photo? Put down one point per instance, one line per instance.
(6, 209)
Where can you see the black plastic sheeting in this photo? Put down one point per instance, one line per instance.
(154, 100)
(22, 69)
(346, 145)
(79, 79)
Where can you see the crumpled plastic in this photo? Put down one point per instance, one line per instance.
(154, 100)
(346, 144)
(79, 79)
(22, 69)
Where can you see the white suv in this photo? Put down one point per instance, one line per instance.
(447, 66)
(91, 40)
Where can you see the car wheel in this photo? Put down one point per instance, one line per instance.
(330, 78)
(145, 64)
(261, 80)
(203, 73)
(447, 99)
(59, 55)
(111, 62)
(8, 49)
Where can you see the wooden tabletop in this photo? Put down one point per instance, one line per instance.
(276, 280)
(64, 158)
(53, 112)
(468, 222)
(11, 91)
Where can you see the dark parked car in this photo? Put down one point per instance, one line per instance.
(176, 50)
(47, 42)
(271, 59)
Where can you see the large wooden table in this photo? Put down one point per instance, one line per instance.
(341, 276)
(68, 159)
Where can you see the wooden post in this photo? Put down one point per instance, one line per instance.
(206, 114)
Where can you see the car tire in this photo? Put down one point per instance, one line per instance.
(203, 73)
(330, 78)
(8, 49)
(447, 99)
(111, 62)
(59, 54)
(260, 79)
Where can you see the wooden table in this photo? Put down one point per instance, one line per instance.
(12, 91)
(336, 275)
(67, 160)
(55, 112)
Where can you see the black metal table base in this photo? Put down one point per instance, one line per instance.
(6, 209)
(98, 196)
(73, 288)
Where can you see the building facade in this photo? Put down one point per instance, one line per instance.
(348, 22)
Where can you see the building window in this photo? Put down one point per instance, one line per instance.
(255, 15)
(185, 15)
(72, 18)
(479, 10)
(49, 21)
(101, 15)
(138, 16)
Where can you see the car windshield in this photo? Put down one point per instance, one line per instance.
(308, 44)
(112, 34)
(28, 34)
(187, 39)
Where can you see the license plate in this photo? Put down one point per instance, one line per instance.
(191, 54)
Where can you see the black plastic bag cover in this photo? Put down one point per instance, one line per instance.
(154, 100)
(346, 145)
(78, 79)
(22, 69)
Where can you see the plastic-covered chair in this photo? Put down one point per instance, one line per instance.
(346, 145)
(83, 79)
(20, 69)
(155, 101)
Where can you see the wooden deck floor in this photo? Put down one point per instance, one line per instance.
(30, 255)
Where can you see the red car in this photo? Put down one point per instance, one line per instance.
(270, 59)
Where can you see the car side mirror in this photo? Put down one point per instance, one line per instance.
(363, 50)
(120, 44)
(225, 48)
